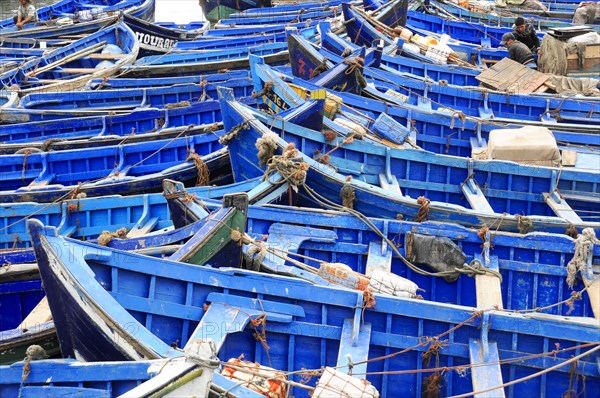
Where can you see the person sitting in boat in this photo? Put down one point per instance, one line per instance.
(26, 13)
(525, 33)
(518, 51)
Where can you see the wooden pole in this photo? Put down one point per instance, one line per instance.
(67, 59)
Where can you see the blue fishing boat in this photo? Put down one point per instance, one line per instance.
(68, 376)
(489, 18)
(214, 10)
(37, 377)
(386, 181)
(87, 218)
(418, 121)
(390, 13)
(123, 82)
(467, 32)
(365, 30)
(89, 9)
(47, 176)
(66, 144)
(190, 62)
(325, 235)
(230, 42)
(95, 56)
(301, 240)
(256, 30)
(267, 18)
(197, 26)
(52, 36)
(185, 302)
(155, 39)
(101, 130)
(48, 106)
(553, 111)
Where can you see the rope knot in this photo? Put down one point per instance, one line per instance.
(180, 104)
(266, 145)
(203, 172)
(233, 133)
(423, 212)
(347, 51)
(524, 224)
(289, 166)
(354, 63)
(572, 231)
(483, 232)
(461, 116)
(347, 193)
(267, 88)
(322, 67)
(105, 237)
(259, 249)
(34, 353)
(330, 135)
(582, 252)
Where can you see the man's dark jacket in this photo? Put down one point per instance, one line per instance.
(528, 37)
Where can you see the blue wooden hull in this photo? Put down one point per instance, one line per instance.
(491, 19)
(107, 170)
(233, 42)
(50, 106)
(32, 75)
(196, 26)
(287, 8)
(51, 34)
(391, 13)
(17, 299)
(305, 326)
(419, 173)
(254, 30)
(537, 278)
(68, 377)
(138, 122)
(267, 19)
(123, 82)
(143, 9)
(111, 378)
(467, 32)
(205, 56)
(179, 64)
(554, 111)
(540, 263)
(87, 218)
(363, 32)
(156, 39)
(278, 99)
(99, 131)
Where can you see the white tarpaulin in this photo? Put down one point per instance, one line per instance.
(528, 145)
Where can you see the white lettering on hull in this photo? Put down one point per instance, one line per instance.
(154, 41)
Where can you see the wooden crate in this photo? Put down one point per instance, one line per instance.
(592, 58)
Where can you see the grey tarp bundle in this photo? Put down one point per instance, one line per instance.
(576, 85)
(553, 60)
(522, 4)
(441, 254)
(553, 57)
(587, 14)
